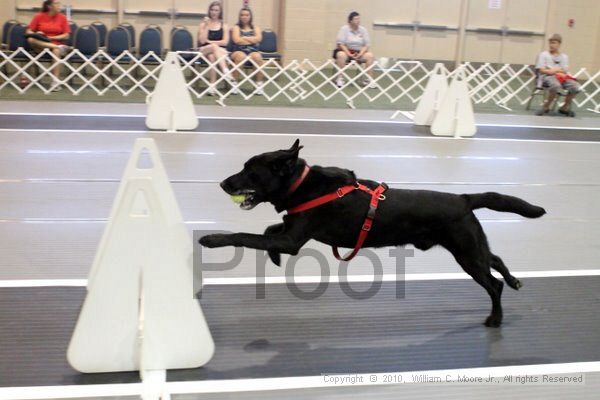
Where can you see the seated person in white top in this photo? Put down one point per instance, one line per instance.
(353, 44)
(552, 68)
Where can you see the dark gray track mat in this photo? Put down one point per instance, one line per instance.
(436, 325)
(286, 126)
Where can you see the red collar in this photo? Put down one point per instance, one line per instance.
(299, 181)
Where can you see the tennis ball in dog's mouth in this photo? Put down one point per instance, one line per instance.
(238, 199)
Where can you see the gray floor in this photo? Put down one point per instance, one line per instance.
(56, 190)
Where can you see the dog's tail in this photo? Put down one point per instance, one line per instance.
(503, 203)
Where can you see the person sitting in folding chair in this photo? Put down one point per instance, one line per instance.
(552, 66)
(246, 38)
(353, 45)
(49, 29)
(213, 37)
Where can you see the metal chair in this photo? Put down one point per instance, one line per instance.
(102, 31)
(131, 29)
(540, 90)
(268, 46)
(5, 29)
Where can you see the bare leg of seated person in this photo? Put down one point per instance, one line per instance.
(572, 88)
(256, 57)
(553, 87)
(212, 73)
(341, 58)
(59, 50)
(238, 58)
(368, 59)
(221, 55)
(214, 53)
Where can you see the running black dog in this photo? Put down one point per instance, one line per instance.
(419, 217)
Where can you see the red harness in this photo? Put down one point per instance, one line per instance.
(376, 196)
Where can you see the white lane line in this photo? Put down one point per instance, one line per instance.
(404, 183)
(67, 220)
(43, 283)
(240, 118)
(84, 131)
(277, 280)
(555, 127)
(70, 391)
(349, 136)
(407, 114)
(301, 382)
(43, 114)
(295, 135)
(326, 380)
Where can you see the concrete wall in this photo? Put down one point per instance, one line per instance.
(310, 27)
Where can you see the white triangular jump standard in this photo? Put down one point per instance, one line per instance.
(170, 106)
(432, 97)
(140, 312)
(455, 116)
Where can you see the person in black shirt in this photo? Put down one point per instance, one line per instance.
(213, 37)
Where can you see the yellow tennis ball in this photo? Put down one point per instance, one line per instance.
(238, 199)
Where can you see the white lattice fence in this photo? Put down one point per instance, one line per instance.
(502, 85)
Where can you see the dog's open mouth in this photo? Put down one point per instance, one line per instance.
(245, 198)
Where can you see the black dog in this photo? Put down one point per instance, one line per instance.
(419, 217)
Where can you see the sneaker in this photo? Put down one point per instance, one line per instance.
(211, 91)
(260, 89)
(235, 89)
(229, 79)
(339, 82)
(567, 113)
(542, 112)
(369, 83)
(56, 85)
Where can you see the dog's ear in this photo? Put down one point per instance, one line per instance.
(286, 160)
(295, 149)
(295, 145)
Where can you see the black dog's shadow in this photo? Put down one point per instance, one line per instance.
(467, 346)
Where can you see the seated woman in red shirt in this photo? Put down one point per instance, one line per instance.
(50, 22)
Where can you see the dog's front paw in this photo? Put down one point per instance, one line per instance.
(275, 257)
(216, 240)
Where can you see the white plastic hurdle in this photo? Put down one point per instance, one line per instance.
(140, 312)
(170, 106)
(447, 109)
(432, 97)
(455, 116)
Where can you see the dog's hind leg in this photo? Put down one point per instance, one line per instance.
(274, 229)
(494, 288)
(499, 266)
(479, 269)
(468, 244)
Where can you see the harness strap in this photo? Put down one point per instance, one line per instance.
(376, 196)
(341, 192)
